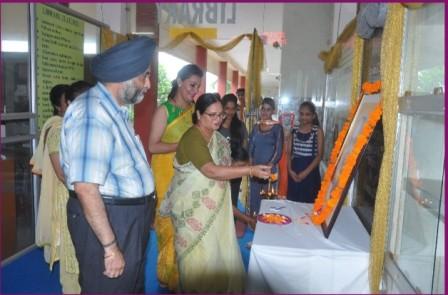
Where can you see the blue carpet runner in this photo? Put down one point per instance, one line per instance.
(30, 274)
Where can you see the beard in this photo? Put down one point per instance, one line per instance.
(132, 94)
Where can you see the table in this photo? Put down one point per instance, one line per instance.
(297, 258)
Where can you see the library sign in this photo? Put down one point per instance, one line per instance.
(59, 55)
(197, 13)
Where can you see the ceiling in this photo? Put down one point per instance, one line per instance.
(265, 17)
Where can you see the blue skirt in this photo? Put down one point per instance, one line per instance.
(306, 190)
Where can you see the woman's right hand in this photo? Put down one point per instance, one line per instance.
(261, 171)
(251, 222)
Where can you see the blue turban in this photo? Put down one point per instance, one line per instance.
(123, 61)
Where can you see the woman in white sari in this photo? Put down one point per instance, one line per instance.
(199, 203)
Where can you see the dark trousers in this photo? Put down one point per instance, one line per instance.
(131, 225)
(235, 185)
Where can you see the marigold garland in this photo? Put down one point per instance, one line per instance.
(371, 88)
(323, 208)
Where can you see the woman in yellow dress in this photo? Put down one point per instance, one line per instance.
(51, 229)
(169, 123)
(200, 206)
(42, 166)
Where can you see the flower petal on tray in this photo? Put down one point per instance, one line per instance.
(274, 218)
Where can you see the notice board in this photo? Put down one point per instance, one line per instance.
(59, 55)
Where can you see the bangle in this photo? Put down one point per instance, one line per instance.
(250, 171)
(110, 244)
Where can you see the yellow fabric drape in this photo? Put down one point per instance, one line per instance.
(413, 5)
(357, 68)
(254, 67)
(109, 38)
(252, 93)
(226, 47)
(390, 77)
(331, 57)
(255, 63)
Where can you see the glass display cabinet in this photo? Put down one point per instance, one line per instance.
(415, 251)
(417, 216)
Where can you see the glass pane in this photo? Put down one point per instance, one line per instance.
(309, 86)
(337, 101)
(17, 198)
(420, 192)
(19, 127)
(17, 189)
(424, 54)
(91, 48)
(15, 57)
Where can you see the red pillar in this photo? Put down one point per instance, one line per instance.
(201, 61)
(143, 112)
(234, 86)
(242, 82)
(222, 78)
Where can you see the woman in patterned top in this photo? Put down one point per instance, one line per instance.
(304, 155)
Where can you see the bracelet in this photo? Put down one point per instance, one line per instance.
(110, 244)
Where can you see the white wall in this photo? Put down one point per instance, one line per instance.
(308, 31)
(112, 14)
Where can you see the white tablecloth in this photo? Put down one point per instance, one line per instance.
(297, 258)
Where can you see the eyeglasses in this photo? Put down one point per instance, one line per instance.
(216, 115)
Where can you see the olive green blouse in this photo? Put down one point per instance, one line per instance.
(193, 148)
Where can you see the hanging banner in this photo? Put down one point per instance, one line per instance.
(59, 55)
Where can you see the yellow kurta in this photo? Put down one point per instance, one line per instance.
(42, 166)
(162, 167)
(51, 228)
(62, 245)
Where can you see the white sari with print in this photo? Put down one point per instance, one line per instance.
(208, 254)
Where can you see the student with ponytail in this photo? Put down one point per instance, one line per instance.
(304, 156)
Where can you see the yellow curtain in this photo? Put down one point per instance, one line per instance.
(226, 47)
(255, 62)
(252, 93)
(331, 57)
(254, 67)
(390, 77)
(413, 5)
(110, 38)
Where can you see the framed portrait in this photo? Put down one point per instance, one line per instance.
(356, 139)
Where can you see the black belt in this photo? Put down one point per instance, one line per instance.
(111, 200)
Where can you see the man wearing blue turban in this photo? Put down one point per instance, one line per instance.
(111, 186)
